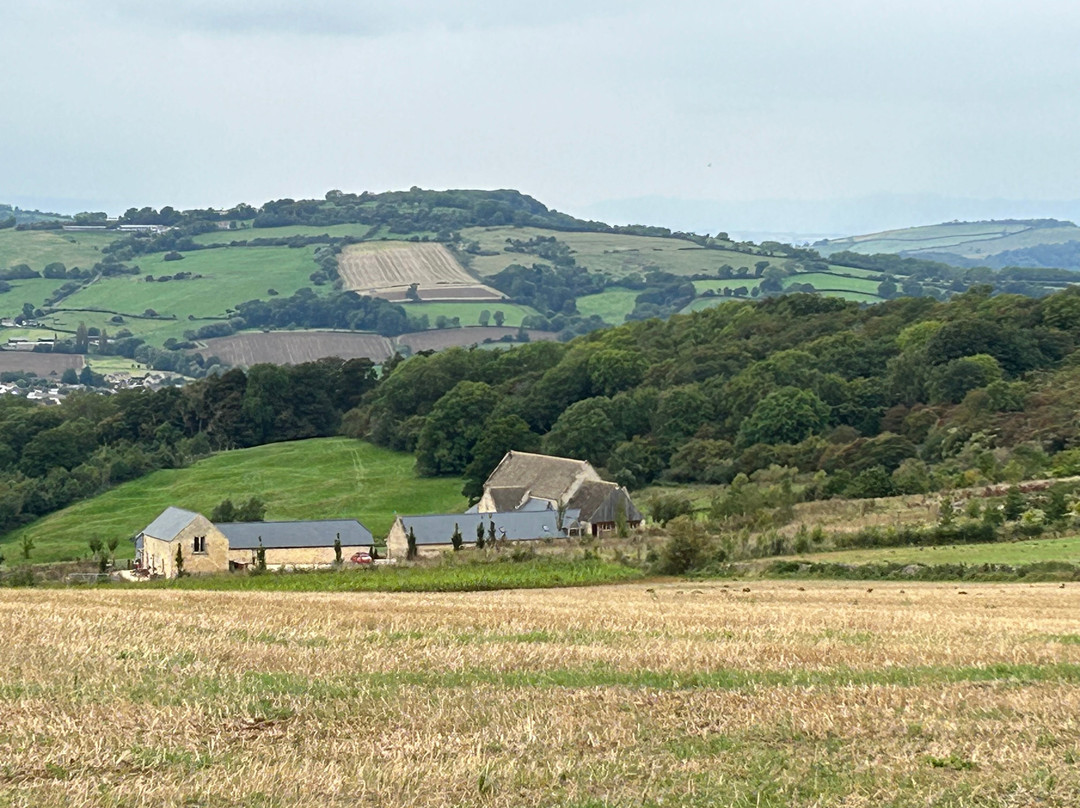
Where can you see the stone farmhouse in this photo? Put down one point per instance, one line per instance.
(208, 547)
(528, 497)
(524, 481)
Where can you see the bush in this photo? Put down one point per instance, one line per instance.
(689, 547)
(664, 508)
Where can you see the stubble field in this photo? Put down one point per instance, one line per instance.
(689, 694)
(385, 266)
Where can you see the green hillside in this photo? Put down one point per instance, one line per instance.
(327, 478)
(997, 244)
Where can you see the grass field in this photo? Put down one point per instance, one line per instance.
(611, 305)
(46, 365)
(844, 283)
(1012, 553)
(230, 276)
(608, 253)
(470, 312)
(637, 695)
(33, 290)
(251, 233)
(40, 247)
(328, 478)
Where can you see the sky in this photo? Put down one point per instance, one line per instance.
(777, 115)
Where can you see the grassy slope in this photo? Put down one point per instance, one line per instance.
(249, 233)
(609, 253)
(40, 247)
(612, 305)
(1022, 552)
(231, 276)
(470, 312)
(329, 478)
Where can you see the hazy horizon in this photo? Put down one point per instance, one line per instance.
(783, 116)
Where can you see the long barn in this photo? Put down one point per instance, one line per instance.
(208, 547)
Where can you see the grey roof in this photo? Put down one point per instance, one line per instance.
(535, 504)
(277, 535)
(169, 523)
(540, 475)
(518, 526)
(599, 502)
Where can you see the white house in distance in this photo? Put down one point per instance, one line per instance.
(524, 481)
(209, 547)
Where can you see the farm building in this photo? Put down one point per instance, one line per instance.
(524, 481)
(208, 547)
(433, 532)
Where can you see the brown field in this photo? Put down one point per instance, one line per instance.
(385, 266)
(438, 339)
(658, 694)
(294, 347)
(43, 364)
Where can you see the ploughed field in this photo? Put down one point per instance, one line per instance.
(644, 694)
(295, 347)
(43, 364)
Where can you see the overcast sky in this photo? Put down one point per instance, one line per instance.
(587, 105)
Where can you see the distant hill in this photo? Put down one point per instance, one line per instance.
(1037, 243)
(16, 215)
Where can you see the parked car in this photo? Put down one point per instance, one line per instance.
(363, 558)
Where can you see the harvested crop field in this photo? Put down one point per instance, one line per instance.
(43, 364)
(382, 266)
(438, 339)
(294, 347)
(688, 694)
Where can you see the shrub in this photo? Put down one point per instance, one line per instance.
(689, 547)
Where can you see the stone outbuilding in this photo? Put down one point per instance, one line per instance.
(209, 547)
(433, 532)
(525, 481)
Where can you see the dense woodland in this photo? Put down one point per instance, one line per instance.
(907, 396)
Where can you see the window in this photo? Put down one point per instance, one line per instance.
(199, 544)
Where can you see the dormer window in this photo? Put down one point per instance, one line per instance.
(199, 544)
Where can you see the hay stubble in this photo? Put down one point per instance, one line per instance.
(610, 695)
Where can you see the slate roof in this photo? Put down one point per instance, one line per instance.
(518, 526)
(279, 535)
(599, 502)
(169, 523)
(540, 475)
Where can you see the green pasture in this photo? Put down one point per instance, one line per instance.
(114, 364)
(32, 290)
(322, 478)
(611, 305)
(1014, 553)
(732, 283)
(841, 283)
(472, 574)
(469, 312)
(609, 253)
(249, 233)
(37, 248)
(231, 275)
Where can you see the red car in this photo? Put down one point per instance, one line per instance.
(362, 558)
